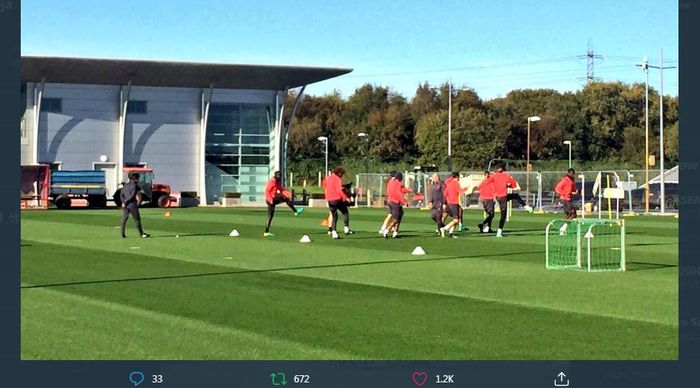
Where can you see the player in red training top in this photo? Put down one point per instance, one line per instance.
(452, 193)
(565, 188)
(501, 183)
(274, 195)
(486, 195)
(337, 201)
(387, 219)
(396, 201)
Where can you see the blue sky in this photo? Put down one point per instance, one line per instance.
(491, 46)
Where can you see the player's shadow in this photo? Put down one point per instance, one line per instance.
(401, 235)
(270, 270)
(650, 244)
(514, 232)
(642, 266)
(185, 235)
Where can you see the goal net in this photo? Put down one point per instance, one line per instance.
(585, 245)
(34, 187)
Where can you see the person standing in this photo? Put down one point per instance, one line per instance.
(486, 195)
(565, 189)
(396, 200)
(275, 194)
(502, 181)
(337, 201)
(437, 201)
(452, 192)
(387, 218)
(131, 197)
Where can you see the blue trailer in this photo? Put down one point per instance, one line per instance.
(88, 184)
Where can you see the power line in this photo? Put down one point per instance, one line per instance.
(474, 67)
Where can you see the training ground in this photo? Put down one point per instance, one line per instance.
(87, 294)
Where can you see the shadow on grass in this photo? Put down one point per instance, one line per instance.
(269, 270)
(649, 244)
(640, 266)
(188, 235)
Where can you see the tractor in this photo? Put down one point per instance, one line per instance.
(152, 194)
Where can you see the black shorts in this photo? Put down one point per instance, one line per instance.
(489, 205)
(278, 199)
(436, 213)
(396, 211)
(569, 208)
(338, 205)
(502, 204)
(453, 210)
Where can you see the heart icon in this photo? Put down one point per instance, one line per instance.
(419, 378)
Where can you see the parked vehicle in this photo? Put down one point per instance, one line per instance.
(671, 194)
(67, 186)
(153, 194)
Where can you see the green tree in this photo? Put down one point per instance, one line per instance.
(431, 138)
(474, 140)
(671, 142)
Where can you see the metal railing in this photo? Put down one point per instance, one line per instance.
(540, 194)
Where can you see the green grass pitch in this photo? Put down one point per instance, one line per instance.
(87, 294)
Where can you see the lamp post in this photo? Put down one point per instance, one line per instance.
(661, 67)
(645, 66)
(324, 139)
(449, 123)
(527, 163)
(449, 128)
(366, 137)
(568, 142)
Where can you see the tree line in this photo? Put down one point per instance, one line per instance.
(605, 122)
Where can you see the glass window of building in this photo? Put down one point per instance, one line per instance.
(237, 151)
(51, 105)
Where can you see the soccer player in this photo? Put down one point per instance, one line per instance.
(337, 200)
(452, 192)
(274, 195)
(329, 220)
(502, 181)
(131, 197)
(565, 188)
(486, 195)
(387, 219)
(396, 201)
(437, 201)
(347, 189)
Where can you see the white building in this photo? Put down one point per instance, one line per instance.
(204, 128)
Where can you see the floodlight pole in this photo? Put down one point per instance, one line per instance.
(449, 127)
(645, 66)
(326, 143)
(365, 135)
(662, 197)
(527, 163)
(324, 139)
(661, 134)
(568, 142)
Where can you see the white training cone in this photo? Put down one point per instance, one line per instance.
(418, 251)
(305, 239)
(589, 234)
(234, 233)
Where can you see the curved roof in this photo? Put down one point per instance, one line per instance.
(171, 74)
